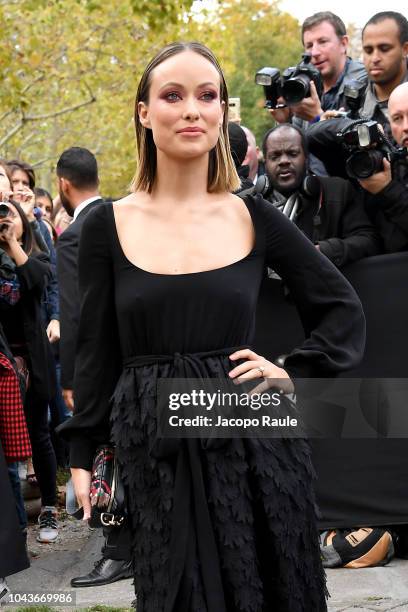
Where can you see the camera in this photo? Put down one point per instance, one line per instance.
(270, 79)
(4, 212)
(368, 146)
(296, 81)
(354, 92)
(293, 85)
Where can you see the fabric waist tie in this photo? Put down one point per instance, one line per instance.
(191, 527)
(180, 360)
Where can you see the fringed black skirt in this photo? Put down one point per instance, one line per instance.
(222, 526)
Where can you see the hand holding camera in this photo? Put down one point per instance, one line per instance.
(378, 181)
(8, 238)
(7, 233)
(299, 87)
(309, 108)
(281, 113)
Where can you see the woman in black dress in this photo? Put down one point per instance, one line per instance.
(169, 278)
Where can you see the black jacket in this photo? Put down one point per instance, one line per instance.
(34, 276)
(67, 259)
(389, 211)
(337, 222)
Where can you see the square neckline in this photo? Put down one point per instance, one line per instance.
(183, 274)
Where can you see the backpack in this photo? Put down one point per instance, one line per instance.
(356, 547)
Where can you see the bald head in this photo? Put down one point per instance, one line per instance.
(398, 113)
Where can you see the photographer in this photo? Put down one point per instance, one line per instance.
(385, 51)
(387, 203)
(324, 37)
(327, 209)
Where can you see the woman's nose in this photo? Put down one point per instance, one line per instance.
(191, 111)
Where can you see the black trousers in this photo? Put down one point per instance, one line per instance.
(117, 543)
(44, 461)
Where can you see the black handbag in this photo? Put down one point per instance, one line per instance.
(108, 507)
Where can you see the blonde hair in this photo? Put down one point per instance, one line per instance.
(222, 175)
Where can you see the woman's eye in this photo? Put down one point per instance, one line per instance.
(172, 96)
(208, 95)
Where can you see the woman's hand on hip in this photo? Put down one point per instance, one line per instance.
(257, 367)
(82, 484)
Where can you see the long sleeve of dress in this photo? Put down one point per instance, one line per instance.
(98, 360)
(329, 308)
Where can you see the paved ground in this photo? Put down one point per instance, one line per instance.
(375, 589)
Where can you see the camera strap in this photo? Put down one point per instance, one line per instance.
(316, 219)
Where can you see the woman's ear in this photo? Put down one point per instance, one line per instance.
(143, 113)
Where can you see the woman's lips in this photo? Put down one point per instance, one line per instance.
(191, 130)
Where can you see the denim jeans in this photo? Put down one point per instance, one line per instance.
(15, 485)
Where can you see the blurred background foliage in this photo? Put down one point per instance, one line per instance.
(69, 71)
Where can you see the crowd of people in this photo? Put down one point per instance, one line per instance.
(99, 300)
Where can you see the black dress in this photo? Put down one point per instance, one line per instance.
(227, 526)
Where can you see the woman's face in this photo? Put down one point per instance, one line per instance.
(184, 109)
(20, 183)
(45, 205)
(5, 187)
(17, 222)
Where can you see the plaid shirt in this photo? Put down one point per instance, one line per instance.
(13, 427)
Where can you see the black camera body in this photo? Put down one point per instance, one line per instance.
(293, 85)
(4, 212)
(296, 81)
(368, 147)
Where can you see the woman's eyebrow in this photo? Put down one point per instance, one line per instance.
(174, 84)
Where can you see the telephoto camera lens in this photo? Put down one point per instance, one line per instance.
(294, 90)
(363, 164)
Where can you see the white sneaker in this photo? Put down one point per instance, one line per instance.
(4, 590)
(48, 525)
